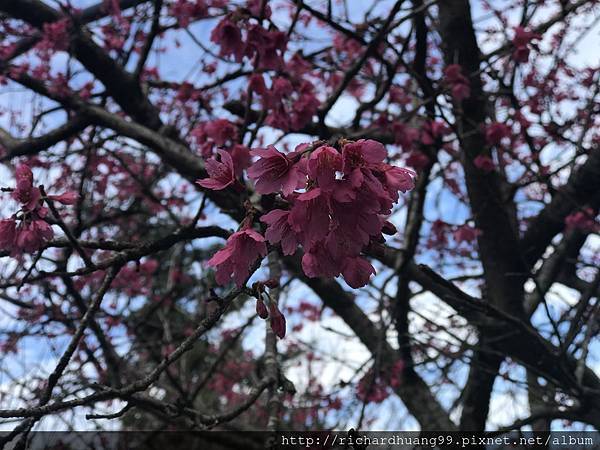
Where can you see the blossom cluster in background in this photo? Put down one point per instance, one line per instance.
(28, 230)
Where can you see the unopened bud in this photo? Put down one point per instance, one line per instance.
(388, 228)
(261, 309)
(277, 321)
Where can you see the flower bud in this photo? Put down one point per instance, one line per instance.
(389, 228)
(261, 309)
(277, 321)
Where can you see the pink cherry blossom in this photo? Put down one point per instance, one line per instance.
(495, 132)
(280, 230)
(30, 231)
(362, 153)
(375, 195)
(241, 158)
(185, 11)
(305, 106)
(291, 102)
(418, 160)
(256, 8)
(276, 171)
(281, 87)
(256, 82)
(268, 45)
(461, 91)
(309, 216)
(229, 37)
(220, 131)
(432, 131)
(399, 95)
(521, 54)
(25, 192)
(221, 173)
(323, 164)
(55, 35)
(186, 92)
(31, 236)
(216, 133)
(399, 179)
(352, 228)
(8, 233)
(521, 41)
(241, 251)
(523, 36)
(343, 210)
(404, 136)
(357, 272)
(457, 81)
(318, 262)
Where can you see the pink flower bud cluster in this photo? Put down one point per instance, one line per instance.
(28, 231)
(337, 200)
(273, 313)
(277, 319)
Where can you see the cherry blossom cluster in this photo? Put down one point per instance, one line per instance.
(464, 236)
(484, 163)
(221, 135)
(185, 11)
(522, 42)
(27, 231)
(376, 387)
(337, 203)
(411, 138)
(583, 220)
(214, 134)
(496, 132)
(457, 81)
(289, 98)
(291, 102)
(238, 36)
(55, 36)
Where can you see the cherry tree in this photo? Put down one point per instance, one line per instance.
(296, 214)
